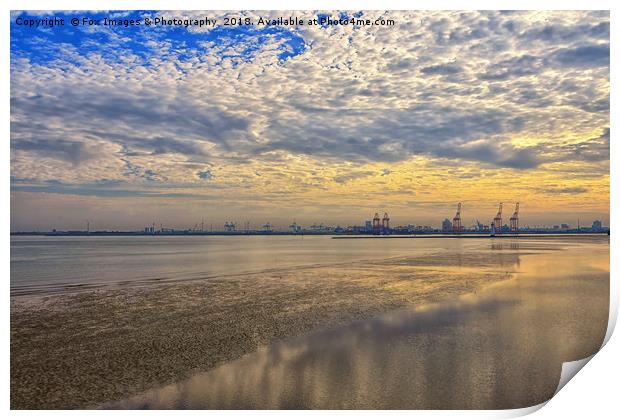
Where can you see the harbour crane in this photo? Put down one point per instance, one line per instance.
(376, 223)
(385, 223)
(497, 222)
(457, 227)
(514, 220)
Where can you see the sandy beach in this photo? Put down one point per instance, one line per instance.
(82, 349)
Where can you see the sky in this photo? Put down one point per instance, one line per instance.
(124, 127)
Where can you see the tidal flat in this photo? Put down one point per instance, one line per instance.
(88, 348)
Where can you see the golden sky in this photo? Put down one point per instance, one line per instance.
(125, 127)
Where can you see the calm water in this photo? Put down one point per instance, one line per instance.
(500, 348)
(53, 264)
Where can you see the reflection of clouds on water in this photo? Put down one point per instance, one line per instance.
(502, 348)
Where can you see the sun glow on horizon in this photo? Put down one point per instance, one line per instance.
(126, 126)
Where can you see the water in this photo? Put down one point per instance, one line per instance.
(57, 264)
(500, 348)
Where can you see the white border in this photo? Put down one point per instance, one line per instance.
(310, 5)
(594, 394)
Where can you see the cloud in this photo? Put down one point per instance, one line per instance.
(441, 69)
(205, 175)
(137, 171)
(495, 154)
(565, 190)
(350, 176)
(524, 65)
(520, 159)
(182, 108)
(559, 32)
(163, 146)
(583, 56)
(73, 152)
(294, 109)
(592, 150)
(402, 64)
(101, 188)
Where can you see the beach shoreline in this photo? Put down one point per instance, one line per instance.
(83, 349)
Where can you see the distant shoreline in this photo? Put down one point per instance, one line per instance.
(334, 235)
(504, 236)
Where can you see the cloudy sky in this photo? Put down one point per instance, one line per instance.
(126, 126)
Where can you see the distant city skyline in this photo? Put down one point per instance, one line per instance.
(129, 126)
(257, 225)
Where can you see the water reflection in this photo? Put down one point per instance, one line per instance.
(502, 348)
(61, 264)
(498, 246)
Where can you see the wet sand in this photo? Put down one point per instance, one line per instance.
(501, 347)
(83, 349)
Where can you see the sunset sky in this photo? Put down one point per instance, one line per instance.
(128, 126)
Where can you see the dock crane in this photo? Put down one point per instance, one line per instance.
(457, 227)
(376, 224)
(497, 222)
(514, 220)
(385, 223)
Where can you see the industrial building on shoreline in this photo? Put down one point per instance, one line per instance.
(380, 226)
